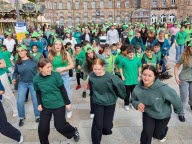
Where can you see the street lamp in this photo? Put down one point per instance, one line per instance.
(17, 10)
(150, 12)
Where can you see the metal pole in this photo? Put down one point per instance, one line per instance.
(150, 12)
(17, 10)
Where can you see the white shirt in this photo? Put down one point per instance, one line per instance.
(112, 37)
(9, 44)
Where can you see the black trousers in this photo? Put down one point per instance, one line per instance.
(129, 90)
(6, 128)
(102, 122)
(60, 123)
(71, 73)
(78, 77)
(156, 128)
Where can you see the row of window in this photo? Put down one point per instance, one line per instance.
(60, 5)
(163, 3)
(163, 18)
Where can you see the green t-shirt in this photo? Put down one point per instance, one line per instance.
(38, 56)
(7, 56)
(57, 62)
(51, 96)
(186, 72)
(181, 37)
(70, 51)
(139, 55)
(81, 60)
(188, 31)
(118, 60)
(2, 70)
(151, 61)
(130, 70)
(110, 67)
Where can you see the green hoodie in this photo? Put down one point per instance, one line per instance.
(157, 100)
(106, 89)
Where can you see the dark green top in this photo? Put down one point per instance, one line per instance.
(150, 61)
(106, 89)
(51, 96)
(157, 100)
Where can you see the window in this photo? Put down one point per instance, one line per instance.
(110, 4)
(93, 19)
(70, 23)
(61, 14)
(173, 2)
(154, 3)
(54, 5)
(76, 5)
(69, 14)
(110, 19)
(101, 4)
(127, 4)
(60, 5)
(118, 3)
(163, 18)
(118, 13)
(153, 18)
(102, 19)
(77, 20)
(127, 19)
(136, 3)
(86, 19)
(68, 5)
(93, 5)
(118, 19)
(85, 5)
(172, 18)
(85, 14)
(163, 3)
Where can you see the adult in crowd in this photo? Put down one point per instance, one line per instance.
(26, 41)
(9, 42)
(112, 35)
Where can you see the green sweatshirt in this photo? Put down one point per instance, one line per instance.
(106, 89)
(157, 100)
(181, 37)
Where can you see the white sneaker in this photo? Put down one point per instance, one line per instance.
(126, 107)
(92, 116)
(163, 140)
(69, 114)
(21, 139)
(15, 114)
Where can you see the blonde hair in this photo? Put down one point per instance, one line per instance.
(186, 56)
(53, 53)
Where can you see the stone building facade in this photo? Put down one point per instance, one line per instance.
(72, 12)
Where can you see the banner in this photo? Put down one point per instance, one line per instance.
(20, 28)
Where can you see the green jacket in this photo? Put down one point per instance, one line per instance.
(157, 100)
(105, 89)
(181, 37)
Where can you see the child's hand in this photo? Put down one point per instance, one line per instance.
(13, 81)
(59, 70)
(123, 78)
(40, 108)
(79, 67)
(68, 107)
(141, 107)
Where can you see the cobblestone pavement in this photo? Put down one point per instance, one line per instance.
(127, 124)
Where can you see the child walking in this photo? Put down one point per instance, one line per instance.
(52, 100)
(130, 69)
(105, 88)
(37, 55)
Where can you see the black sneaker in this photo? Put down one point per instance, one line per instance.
(76, 136)
(21, 122)
(37, 120)
(182, 118)
(84, 94)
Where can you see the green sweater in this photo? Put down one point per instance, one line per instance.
(106, 89)
(181, 37)
(157, 100)
(51, 96)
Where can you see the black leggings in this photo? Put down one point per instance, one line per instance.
(78, 77)
(6, 128)
(60, 123)
(71, 73)
(129, 90)
(156, 128)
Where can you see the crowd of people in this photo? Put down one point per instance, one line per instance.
(110, 60)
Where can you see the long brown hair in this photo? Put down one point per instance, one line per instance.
(53, 53)
(90, 61)
(186, 56)
(19, 60)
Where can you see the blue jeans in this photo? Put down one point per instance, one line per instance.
(179, 51)
(163, 63)
(45, 53)
(22, 90)
(66, 83)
